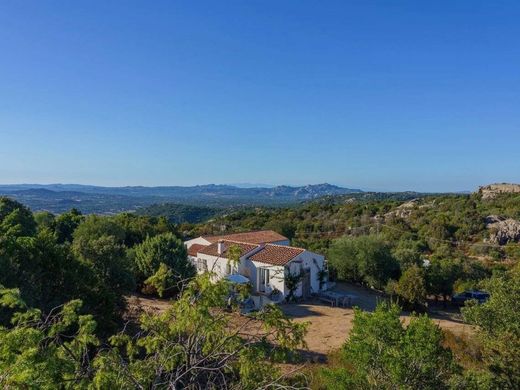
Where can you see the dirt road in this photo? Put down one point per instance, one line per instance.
(329, 326)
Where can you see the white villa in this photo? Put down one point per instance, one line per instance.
(265, 259)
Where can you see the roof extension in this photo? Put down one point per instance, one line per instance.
(194, 249)
(276, 254)
(212, 249)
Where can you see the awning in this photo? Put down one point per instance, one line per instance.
(237, 278)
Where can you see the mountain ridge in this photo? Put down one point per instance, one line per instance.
(319, 189)
(98, 199)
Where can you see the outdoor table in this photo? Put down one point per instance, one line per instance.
(334, 296)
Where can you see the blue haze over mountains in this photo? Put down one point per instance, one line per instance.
(58, 198)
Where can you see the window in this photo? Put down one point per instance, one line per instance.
(264, 276)
(231, 268)
(202, 265)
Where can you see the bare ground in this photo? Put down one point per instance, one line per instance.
(328, 326)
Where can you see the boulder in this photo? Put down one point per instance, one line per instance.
(503, 231)
(491, 191)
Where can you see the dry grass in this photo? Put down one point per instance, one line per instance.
(328, 326)
(465, 348)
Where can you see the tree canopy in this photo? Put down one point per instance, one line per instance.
(366, 259)
(382, 353)
(498, 321)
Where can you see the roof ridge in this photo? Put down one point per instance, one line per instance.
(286, 246)
(239, 242)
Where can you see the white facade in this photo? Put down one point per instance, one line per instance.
(265, 277)
(267, 272)
(311, 263)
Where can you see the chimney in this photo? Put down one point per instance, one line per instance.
(220, 247)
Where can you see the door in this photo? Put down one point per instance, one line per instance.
(263, 279)
(306, 284)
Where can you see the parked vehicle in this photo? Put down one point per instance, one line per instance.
(460, 299)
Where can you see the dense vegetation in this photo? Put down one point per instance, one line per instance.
(374, 242)
(435, 221)
(382, 353)
(63, 283)
(64, 321)
(180, 213)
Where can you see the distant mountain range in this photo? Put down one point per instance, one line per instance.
(58, 198)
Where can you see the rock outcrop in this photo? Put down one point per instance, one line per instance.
(502, 231)
(404, 210)
(492, 190)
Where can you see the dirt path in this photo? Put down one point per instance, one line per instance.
(329, 326)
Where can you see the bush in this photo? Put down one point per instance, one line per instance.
(412, 287)
(383, 354)
(365, 259)
(166, 251)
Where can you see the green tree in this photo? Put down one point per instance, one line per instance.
(45, 351)
(45, 272)
(168, 250)
(285, 228)
(408, 253)
(138, 228)
(383, 354)
(161, 282)
(98, 244)
(191, 346)
(15, 219)
(498, 322)
(66, 224)
(364, 259)
(441, 276)
(412, 287)
(194, 344)
(45, 220)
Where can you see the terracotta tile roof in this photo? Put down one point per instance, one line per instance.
(194, 249)
(276, 254)
(257, 237)
(212, 249)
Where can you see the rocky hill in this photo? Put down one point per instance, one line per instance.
(502, 230)
(491, 191)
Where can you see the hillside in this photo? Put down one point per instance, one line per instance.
(375, 245)
(58, 198)
(450, 224)
(179, 213)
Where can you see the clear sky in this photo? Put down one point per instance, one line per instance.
(386, 95)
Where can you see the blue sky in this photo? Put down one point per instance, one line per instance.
(386, 95)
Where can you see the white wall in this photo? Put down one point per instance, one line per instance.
(276, 275)
(217, 265)
(311, 261)
(306, 260)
